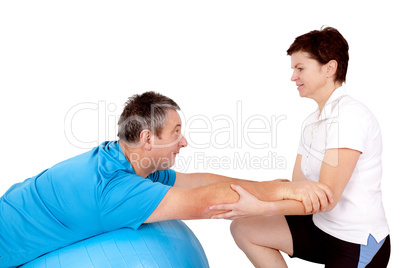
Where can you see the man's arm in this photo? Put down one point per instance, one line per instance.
(194, 180)
(194, 203)
(312, 195)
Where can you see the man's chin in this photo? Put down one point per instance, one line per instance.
(166, 165)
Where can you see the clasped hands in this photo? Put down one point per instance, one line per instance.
(314, 196)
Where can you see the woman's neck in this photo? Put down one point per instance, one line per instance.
(326, 94)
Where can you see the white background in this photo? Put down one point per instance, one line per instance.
(66, 69)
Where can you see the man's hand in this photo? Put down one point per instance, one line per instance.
(315, 196)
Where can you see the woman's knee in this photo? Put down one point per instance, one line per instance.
(271, 232)
(238, 228)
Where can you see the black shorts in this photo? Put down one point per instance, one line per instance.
(312, 244)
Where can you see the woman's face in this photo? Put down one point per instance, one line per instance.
(308, 74)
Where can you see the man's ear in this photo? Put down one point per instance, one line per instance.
(146, 139)
(331, 68)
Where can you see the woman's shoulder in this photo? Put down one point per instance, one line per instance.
(355, 113)
(350, 106)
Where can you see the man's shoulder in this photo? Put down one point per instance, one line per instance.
(167, 176)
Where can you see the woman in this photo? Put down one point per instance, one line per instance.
(340, 146)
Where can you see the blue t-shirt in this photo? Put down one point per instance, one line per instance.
(86, 195)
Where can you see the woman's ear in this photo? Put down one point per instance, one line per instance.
(145, 139)
(331, 68)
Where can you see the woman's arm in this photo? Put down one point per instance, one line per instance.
(297, 171)
(249, 205)
(336, 170)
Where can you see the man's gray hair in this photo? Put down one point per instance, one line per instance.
(145, 111)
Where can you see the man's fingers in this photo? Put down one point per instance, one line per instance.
(328, 192)
(315, 199)
(323, 203)
(315, 196)
(308, 207)
(323, 199)
(315, 203)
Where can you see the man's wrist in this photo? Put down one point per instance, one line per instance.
(286, 189)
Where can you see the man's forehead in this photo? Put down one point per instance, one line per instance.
(173, 118)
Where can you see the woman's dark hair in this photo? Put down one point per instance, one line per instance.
(145, 111)
(323, 46)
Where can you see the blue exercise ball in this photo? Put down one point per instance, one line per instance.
(166, 244)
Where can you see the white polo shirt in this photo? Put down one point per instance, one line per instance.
(347, 123)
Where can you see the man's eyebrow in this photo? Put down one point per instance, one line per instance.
(178, 125)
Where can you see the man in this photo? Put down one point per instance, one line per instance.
(124, 184)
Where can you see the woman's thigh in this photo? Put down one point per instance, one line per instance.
(272, 232)
(306, 239)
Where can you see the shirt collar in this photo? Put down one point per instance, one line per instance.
(332, 102)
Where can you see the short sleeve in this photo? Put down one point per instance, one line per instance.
(301, 149)
(306, 133)
(166, 177)
(127, 201)
(350, 128)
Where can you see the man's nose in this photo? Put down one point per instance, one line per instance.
(183, 142)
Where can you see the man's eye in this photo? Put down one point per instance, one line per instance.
(300, 69)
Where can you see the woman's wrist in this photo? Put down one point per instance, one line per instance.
(284, 207)
(269, 208)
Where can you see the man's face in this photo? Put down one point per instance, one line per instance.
(170, 142)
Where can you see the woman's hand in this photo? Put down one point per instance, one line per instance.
(248, 205)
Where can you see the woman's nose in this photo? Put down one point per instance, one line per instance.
(294, 76)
